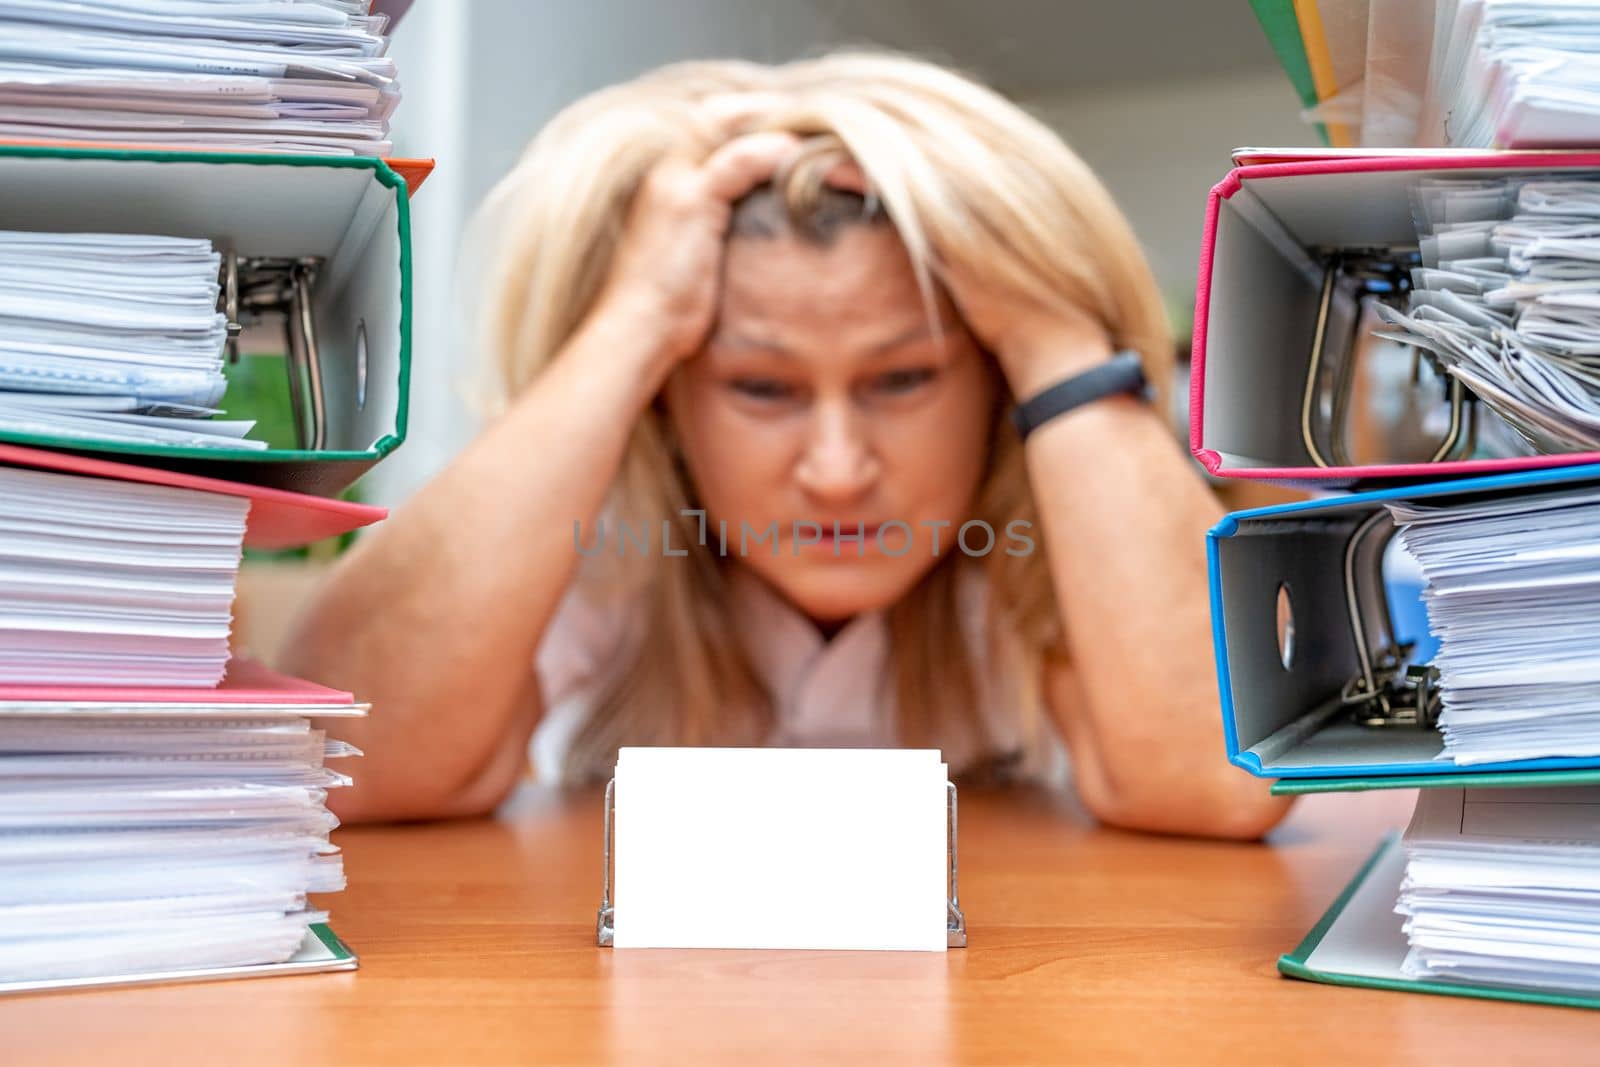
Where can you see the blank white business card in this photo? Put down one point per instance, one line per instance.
(781, 849)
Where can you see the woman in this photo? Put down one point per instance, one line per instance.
(733, 306)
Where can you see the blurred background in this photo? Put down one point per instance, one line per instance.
(1153, 94)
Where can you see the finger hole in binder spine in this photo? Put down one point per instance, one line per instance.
(361, 365)
(1285, 618)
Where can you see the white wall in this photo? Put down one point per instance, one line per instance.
(1160, 148)
(431, 49)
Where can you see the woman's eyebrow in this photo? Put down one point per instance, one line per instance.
(741, 341)
(744, 342)
(942, 331)
(917, 333)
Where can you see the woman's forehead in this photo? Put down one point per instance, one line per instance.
(864, 273)
(792, 298)
(858, 294)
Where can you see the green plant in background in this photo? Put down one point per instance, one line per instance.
(258, 388)
(1180, 317)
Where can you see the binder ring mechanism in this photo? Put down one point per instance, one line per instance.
(256, 286)
(1388, 691)
(1382, 274)
(955, 925)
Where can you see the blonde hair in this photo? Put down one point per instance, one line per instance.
(966, 178)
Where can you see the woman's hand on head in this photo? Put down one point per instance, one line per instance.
(665, 274)
(1036, 346)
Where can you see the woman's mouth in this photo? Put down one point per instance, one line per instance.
(839, 538)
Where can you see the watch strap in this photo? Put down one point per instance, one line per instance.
(1122, 373)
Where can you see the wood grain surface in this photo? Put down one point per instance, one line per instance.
(1088, 946)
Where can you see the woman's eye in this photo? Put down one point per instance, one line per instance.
(763, 388)
(903, 381)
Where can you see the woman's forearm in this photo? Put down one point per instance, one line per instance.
(436, 615)
(1124, 521)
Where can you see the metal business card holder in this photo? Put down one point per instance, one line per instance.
(956, 923)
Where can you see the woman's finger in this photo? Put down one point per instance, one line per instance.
(727, 111)
(848, 176)
(745, 162)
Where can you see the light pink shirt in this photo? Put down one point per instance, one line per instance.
(826, 693)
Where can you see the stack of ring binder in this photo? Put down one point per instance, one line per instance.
(165, 812)
(316, 266)
(1367, 323)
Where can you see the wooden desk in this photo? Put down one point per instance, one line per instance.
(1087, 946)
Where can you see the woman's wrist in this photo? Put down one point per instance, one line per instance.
(605, 376)
(625, 338)
(1038, 359)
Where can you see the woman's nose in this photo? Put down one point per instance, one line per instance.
(839, 462)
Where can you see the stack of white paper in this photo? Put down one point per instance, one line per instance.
(1512, 589)
(781, 848)
(307, 76)
(1502, 887)
(1513, 74)
(106, 582)
(1508, 299)
(133, 843)
(113, 337)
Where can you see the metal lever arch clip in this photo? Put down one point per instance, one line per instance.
(1387, 691)
(253, 286)
(1379, 273)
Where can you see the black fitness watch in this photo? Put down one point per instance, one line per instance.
(1122, 373)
